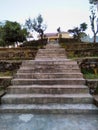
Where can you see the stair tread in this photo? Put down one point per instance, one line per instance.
(49, 106)
(48, 86)
(40, 61)
(52, 73)
(48, 95)
(51, 79)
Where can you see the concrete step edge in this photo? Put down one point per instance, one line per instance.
(50, 86)
(47, 96)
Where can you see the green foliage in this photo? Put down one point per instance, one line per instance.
(90, 76)
(35, 44)
(11, 33)
(93, 1)
(64, 41)
(89, 73)
(37, 25)
(78, 32)
(7, 73)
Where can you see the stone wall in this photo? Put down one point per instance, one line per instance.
(17, 53)
(88, 64)
(81, 49)
(5, 82)
(93, 85)
(9, 65)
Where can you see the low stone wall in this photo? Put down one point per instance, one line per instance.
(93, 85)
(9, 65)
(81, 46)
(82, 53)
(17, 53)
(89, 64)
(81, 49)
(5, 82)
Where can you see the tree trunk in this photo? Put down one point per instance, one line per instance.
(94, 38)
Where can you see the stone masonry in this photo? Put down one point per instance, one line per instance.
(49, 84)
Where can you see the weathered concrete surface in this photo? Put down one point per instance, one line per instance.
(48, 62)
(48, 122)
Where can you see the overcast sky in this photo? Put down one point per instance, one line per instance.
(56, 13)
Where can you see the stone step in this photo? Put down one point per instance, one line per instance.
(47, 98)
(48, 89)
(48, 75)
(45, 67)
(47, 70)
(49, 62)
(52, 66)
(63, 81)
(52, 50)
(49, 58)
(50, 54)
(52, 57)
(50, 108)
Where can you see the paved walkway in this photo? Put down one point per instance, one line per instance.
(48, 122)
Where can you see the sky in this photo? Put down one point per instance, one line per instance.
(65, 14)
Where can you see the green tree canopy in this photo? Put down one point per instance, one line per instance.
(37, 25)
(11, 32)
(78, 32)
(93, 1)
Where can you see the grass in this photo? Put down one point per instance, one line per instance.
(90, 76)
(7, 73)
(89, 73)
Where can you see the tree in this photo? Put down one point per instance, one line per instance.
(93, 22)
(37, 25)
(94, 18)
(13, 33)
(59, 32)
(2, 43)
(94, 2)
(78, 32)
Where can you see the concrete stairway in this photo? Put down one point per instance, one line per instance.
(49, 84)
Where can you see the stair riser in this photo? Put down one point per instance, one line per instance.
(44, 100)
(49, 111)
(53, 51)
(48, 82)
(45, 58)
(50, 62)
(47, 90)
(42, 76)
(47, 55)
(48, 71)
(44, 66)
(54, 55)
(50, 67)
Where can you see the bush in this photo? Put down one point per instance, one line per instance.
(35, 43)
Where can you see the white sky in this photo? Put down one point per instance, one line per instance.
(56, 13)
